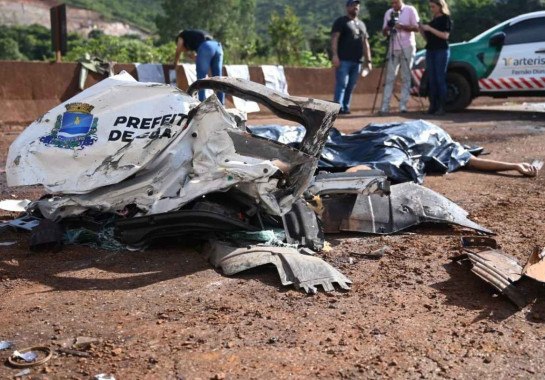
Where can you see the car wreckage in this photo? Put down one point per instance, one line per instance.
(154, 164)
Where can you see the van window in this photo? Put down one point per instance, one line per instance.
(525, 32)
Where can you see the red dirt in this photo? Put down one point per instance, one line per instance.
(166, 314)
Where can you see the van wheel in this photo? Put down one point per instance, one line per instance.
(458, 92)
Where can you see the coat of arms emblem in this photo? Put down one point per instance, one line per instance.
(74, 129)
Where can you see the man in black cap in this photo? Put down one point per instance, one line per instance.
(350, 50)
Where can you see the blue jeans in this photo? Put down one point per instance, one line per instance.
(436, 69)
(346, 76)
(209, 56)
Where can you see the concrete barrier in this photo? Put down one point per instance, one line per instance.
(29, 89)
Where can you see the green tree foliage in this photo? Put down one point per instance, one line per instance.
(505, 9)
(229, 21)
(320, 42)
(287, 39)
(120, 49)
(31, 42)
(9, 50)
(472, 17)
(34, 43)
(244, 28)
(313, 15)
(476, 15)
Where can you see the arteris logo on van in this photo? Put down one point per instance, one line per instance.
(74, 129)
(535, 61)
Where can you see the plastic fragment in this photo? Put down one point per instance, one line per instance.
(5, 344)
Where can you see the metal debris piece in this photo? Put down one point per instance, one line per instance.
(535, 267)
(14, 205)
(500, 271)
(143, 230)
(361, 182)
(302, 226)
(317, 116)
(7, 243)
(538, 164)
(5, 344)
(104, 376)
(478, 241)
(27, 223)
(407, 205)
(294, 268)
(26, 356)
(30, 357)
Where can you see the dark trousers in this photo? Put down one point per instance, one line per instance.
(436, 69)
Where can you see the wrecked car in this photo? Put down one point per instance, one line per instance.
(154, 163)
(163, 165)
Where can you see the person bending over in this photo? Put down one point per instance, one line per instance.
(209, 54)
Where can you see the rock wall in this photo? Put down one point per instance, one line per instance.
(81, 21)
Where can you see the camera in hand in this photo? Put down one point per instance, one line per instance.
(394, 19)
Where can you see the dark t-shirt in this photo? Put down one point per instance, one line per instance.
(352, 34)
(193, 38)
(443, 24)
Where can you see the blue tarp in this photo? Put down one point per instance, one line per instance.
(404, 151)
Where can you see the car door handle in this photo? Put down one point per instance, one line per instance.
(542, 51)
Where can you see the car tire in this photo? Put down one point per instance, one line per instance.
(458, 92)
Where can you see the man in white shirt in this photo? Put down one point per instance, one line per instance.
(400, 23)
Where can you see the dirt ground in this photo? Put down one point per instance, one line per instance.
(166, 314)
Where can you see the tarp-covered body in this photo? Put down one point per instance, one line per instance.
(404, 151)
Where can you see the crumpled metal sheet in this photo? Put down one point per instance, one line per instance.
(205, 150)
(407, 205)
(14, 205)
(500, 271)
(404, 151)
(201, 159)
(99, 137)
(302, 271)
(317, 116)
